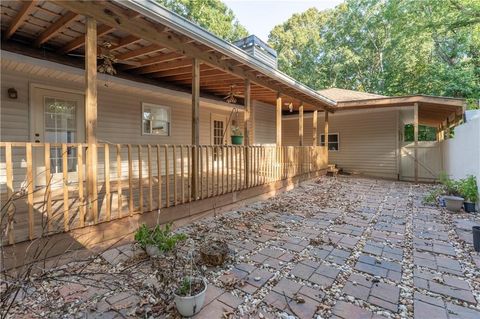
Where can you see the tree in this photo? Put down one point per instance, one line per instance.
(391, 47)
(213, 15)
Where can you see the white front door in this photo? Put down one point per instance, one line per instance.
(218, 127)
(57, 117)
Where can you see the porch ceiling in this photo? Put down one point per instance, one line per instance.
(157, 45)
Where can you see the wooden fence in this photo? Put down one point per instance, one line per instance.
(44, 189)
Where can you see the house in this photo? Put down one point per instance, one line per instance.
(115, 114)
(369, 133)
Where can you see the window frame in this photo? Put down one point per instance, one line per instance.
(159, 106)
(323, 143)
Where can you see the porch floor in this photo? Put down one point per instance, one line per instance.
(331, 248)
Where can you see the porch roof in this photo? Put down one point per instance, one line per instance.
(150, 42)
(432, 110)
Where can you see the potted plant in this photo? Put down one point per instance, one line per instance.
(157, 240)
(237, 136)
(469, 190)
(453, 201)
(190, 295)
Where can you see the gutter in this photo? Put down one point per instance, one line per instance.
(157, 13)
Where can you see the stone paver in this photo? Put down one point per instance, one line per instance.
(331, 248)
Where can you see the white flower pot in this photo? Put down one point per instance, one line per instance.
(152, 250)
(453, 203)
(191, 305)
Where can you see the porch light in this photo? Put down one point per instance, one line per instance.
(12, 93)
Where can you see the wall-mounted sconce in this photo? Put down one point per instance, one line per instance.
(12, 93)
(290, 107)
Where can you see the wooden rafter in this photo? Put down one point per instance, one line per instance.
(171, 65)
(80, 40)
(154, 60)
(130, 39)
(21, 16)
(139, 52)
(184, 70)
(56, 27)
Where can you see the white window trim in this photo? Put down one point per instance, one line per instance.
(338, 141)
(169, 110)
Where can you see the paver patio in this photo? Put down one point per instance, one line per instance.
(331, 248)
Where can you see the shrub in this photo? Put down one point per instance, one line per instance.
(468, 188)
(452, 187)
(432, 197)
(162, 238)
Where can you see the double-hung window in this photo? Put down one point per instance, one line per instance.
(155, 119)
(333, 141)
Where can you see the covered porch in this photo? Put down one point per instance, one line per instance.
(52, 185)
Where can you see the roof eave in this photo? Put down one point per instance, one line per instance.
(159, 14)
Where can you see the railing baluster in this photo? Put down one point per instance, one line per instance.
(189, 173)
(150, 178)
(167, 178)
(182, 182)
(130, 183)
(159, 172)
(66, 212)
(200, 157)
(48, 187)
(119, 181)
(11, 209)
(140, 180)
(81, 199)
(28, 150)
(108, 204)
(174, 160)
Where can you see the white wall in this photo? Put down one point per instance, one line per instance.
(461, 154)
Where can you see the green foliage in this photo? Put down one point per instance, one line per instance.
(213, 15)
(236, 131)
(425, 133)
(162, 238)
(184, 288)
(432, 197)
(468, 188)
(390, 47)
(451, 186)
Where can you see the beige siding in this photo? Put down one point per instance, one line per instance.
(119, 111)
(368, 140)
(264, 117)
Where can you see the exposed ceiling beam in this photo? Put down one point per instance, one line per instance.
(80, 40)
(175, 64)
(114, 17)
(130, 39)
(157, 59)
(21, 16)
(56, 27)
(184, 70)
(139, 52)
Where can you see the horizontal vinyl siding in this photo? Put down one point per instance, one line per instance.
(264, 118)
(368, 140)
(119, 117)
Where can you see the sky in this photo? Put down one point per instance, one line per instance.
(260, 16)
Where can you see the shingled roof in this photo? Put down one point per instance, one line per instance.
(340, 95)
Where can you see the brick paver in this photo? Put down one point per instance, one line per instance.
(371, 251)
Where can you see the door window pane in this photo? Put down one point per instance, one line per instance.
(60, 127)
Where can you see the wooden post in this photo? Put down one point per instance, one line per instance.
(415, 139)
(325, 134)
(314, 128)
(195, 123)
(246, 124)
(300, 125)
(91, 113)
(279, 120)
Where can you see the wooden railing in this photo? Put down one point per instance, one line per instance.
(44, 188)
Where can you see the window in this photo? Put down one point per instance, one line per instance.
(333, 141)
(155, 120)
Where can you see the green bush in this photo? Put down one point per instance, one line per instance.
(468, 188)
(452, 187)
(162, 238)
